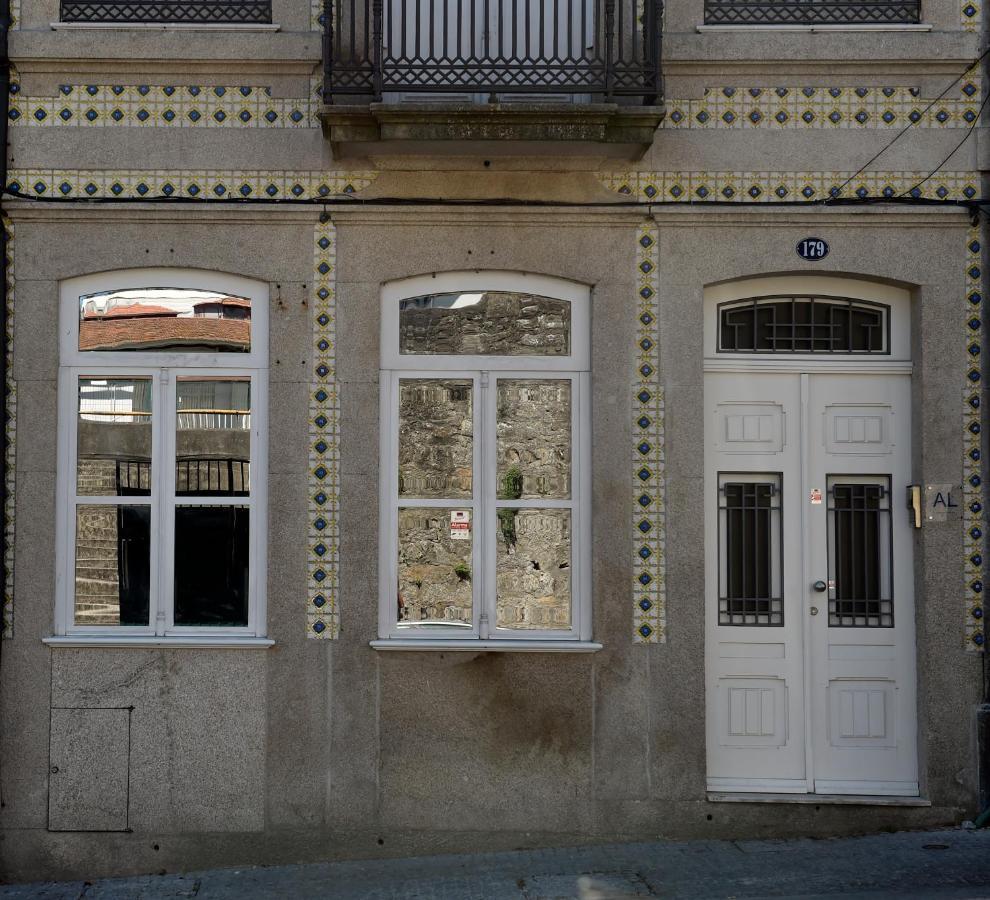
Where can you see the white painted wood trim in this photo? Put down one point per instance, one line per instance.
(760, 785)
(483, 646)
(798, 364)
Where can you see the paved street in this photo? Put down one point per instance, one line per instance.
(936, 864)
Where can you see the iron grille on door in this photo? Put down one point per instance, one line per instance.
(750, 565)
(812, 12)
(606, 47)
(860, 558)
(784, 324)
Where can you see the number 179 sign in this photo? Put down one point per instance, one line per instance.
(812, 248)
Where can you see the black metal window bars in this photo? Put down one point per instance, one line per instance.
(812, 12)
(483, 49)
(168, 12)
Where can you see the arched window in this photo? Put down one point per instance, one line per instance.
(162, 461)
(485, 463)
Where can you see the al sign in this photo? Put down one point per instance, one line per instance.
(812, 248)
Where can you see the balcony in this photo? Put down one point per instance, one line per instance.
(812, 12)
(492, 76)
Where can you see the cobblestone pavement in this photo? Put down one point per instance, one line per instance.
(933, 864)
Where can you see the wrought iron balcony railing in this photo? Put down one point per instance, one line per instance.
(812, 12)
(512, 49)
(168, 12)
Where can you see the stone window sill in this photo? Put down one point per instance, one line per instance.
(815, 799)
(479, 646)
(205, 642)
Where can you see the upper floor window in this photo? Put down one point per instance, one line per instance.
(162, 455)
(485, 460)
(812, 12)
(168, 12)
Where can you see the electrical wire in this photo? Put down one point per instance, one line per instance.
(911, 125)
(952, 153)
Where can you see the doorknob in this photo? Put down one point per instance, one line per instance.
(820, 586)
(814, 610)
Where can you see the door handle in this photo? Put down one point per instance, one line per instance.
(820, 586)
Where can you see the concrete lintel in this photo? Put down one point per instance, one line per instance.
(601, 129)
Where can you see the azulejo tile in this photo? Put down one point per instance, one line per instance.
(164, 106)
(973, 517)
(649, 550)
(190, 183)
(795, 108)
(7, 628)
(322, 576)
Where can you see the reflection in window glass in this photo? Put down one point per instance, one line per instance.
(113, 437)
(435, 438)
(113, 565)
(213, 436)
(534, 438)
(484, 323)
(533, 569)
(435, 574)
(152, 319)
(211, 565)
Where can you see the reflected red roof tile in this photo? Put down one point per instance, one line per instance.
(162, 333)
(133, 311)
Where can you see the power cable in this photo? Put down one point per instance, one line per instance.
(837, 191)
(952, 153)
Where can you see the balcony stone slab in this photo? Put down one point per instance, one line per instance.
(495, 129)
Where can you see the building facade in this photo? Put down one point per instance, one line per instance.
(488, 427)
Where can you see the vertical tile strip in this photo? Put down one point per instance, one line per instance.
(973, 516)
(11, 433)
(649, 514)
(322, 581)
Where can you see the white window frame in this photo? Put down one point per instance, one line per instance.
(484, 372)
(164, 368)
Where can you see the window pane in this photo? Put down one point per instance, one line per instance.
(113, 565)
(211, 565)
(213, 436)
(485, 323)
(534, 438)
(151, 319)
(860, 567)
(435, 575)
(436, 424)
(533, 568)
(113, 437)
(750, 564)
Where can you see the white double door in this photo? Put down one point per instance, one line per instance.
(810, 652)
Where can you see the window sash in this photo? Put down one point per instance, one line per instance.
(162, 501)
(483, 505)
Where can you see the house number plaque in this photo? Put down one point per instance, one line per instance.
(812, 248)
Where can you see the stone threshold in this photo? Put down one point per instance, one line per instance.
(817, 799)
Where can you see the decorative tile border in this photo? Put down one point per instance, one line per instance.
(322, 580)
(972, 15)
(972, 486)
(194, 183)
(803, 108)
(10, 481)
(795, 186)
(649, 501)
(162, 106)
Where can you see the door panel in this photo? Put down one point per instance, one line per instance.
(863, 648)
(754, 648)
(821, 696)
